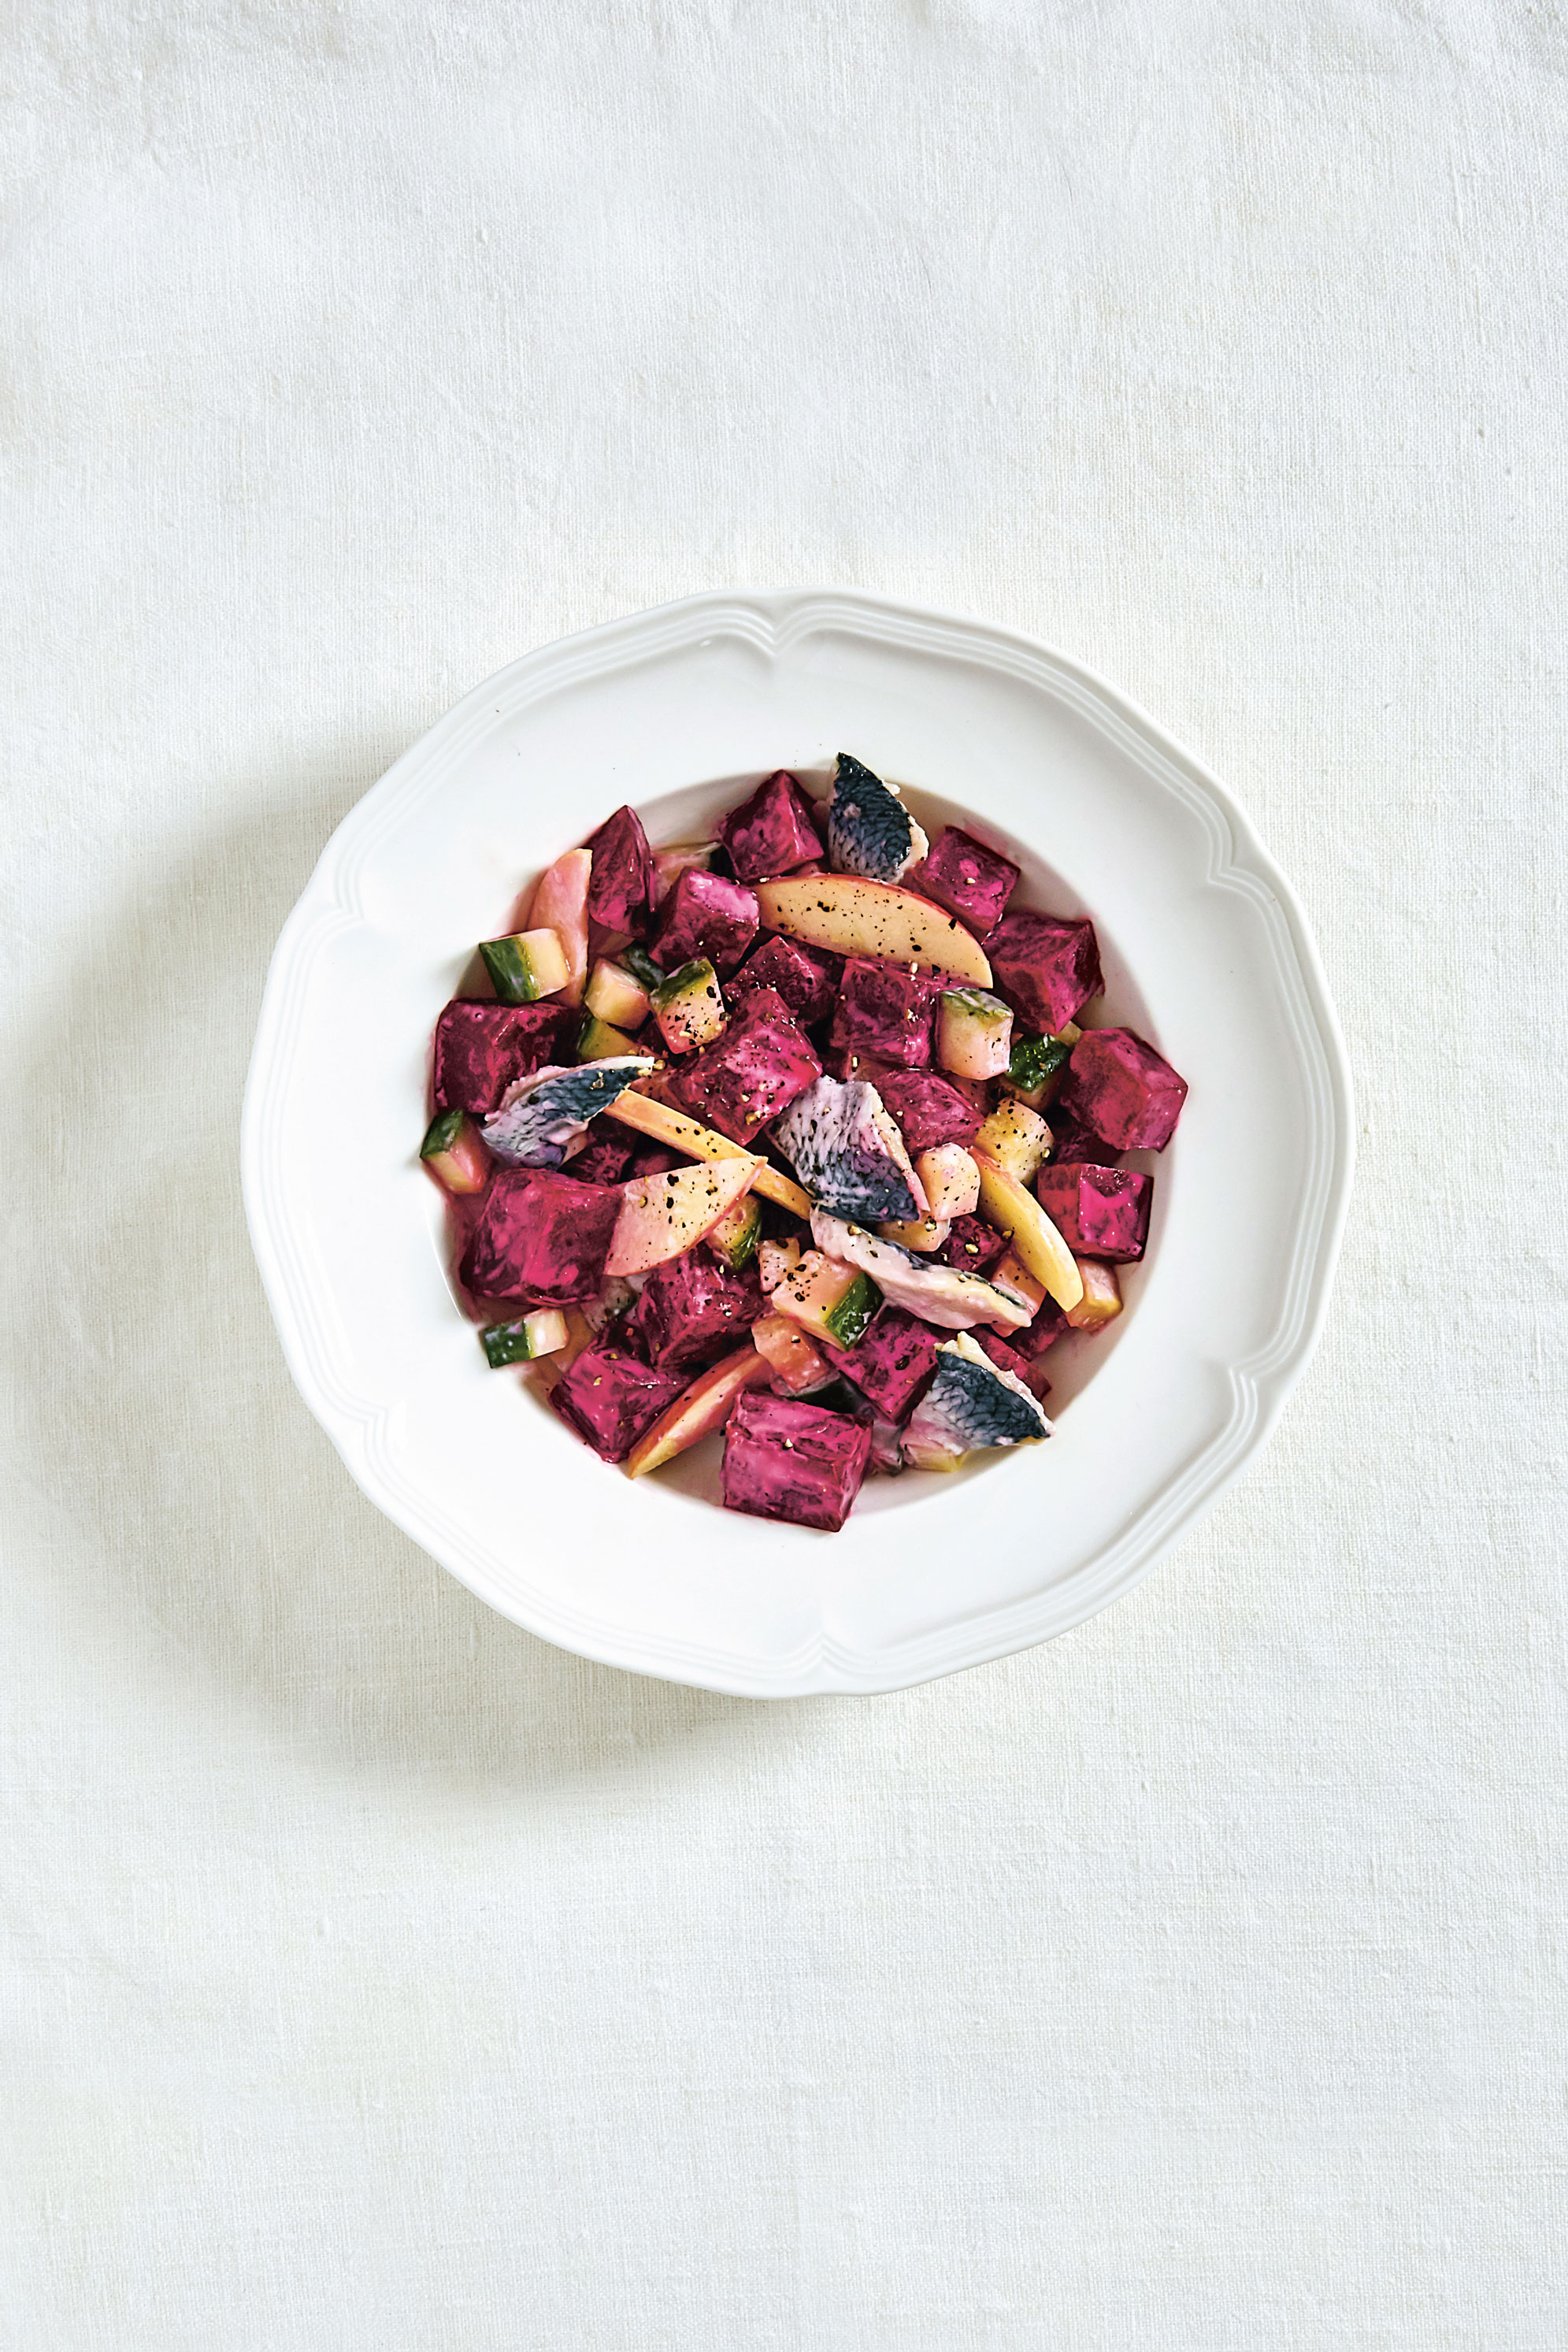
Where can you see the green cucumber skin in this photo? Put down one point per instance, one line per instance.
(598, 1041)
(1036, 1061)
(511, 975)
(848, 1319)
(505, 1343)
(748, 1241)
(444, 1134)
(979, 1004)
(697, 978)
(642, 967)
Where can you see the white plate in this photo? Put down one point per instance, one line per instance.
(1205, 952)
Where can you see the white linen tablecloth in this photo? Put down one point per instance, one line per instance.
(375, 1976)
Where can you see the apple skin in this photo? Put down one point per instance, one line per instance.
(856, 918)
(559, 903)
(662, 1217)
(705, 1406)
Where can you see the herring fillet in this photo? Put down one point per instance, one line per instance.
(870, 831)
(972, 1402)
(847, 1152)
(943, 1295)
(545, 1116)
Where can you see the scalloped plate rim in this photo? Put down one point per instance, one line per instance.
(1261, 1382)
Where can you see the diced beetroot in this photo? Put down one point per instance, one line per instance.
(612, 1393)
(787, 1460)
(891, 1363)
(771, 833)
(482, 1049)
(972, 1246)
(1047, 966)
(849, 1063)
(1008, 1359)
(928, 1110)
(806, 978)
(621, 887)
(541, 1237)
(1098, 1212)
(695, 1309)
(1071, 1141)
(606, 1158)
(1050, 1325)
(654, 1159)
(885, 1010)
(1120, 1090)
(971, 881)
(748, 1075)
(704, 915)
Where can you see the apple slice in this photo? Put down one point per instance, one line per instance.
(857, 917)
(559, 903)
(705, 1406)
(662, 1217)
(1015, 1212)
(662, 1124)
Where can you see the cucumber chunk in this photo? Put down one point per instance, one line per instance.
(688, 1007)
(542, 1333)
(453, 1151)
(974, 1033)
(642, 968)
(598, 1041)
(616, 995)
(738, 1234)
(526, 966)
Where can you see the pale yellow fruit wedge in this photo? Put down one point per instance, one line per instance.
(1016, 1138)
(854, 916)
(662, 1217)
(662, 1124)
(1102, 1300)
(705, 1406)
(1015, 1212)
(559, 903)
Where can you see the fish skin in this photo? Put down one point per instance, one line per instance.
(542, 1119)
(973, 1402)
(847, 1152)
(870, 831)
(939, 1293)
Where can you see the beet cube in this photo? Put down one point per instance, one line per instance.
(606, 1158)
(612, 1393)
(755, 1070)
(787, 1460)
(1046, 966)
(1008, 1359)
(621, 885)
(654, 1159)
(1120, 1090)
(891, 1363)
(885, 1010)
(972, 1246)
(806, 978)
(704, 915)
(1071, 1141)
(482, 1049)
(971, 881)
(541, 1237)
(1098, 1212)
(693, 1310)
(771, 833)
(1050, 1325)
(848, 1063)
(928, 1110)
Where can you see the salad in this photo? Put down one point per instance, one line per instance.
(750, 1135)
